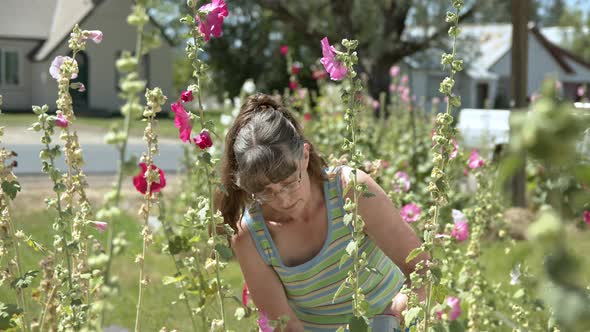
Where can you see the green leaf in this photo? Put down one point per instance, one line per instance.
(6, 313)
(343, 260)
(439, 293)
(456, 326)
(358, 324)
(225, 252)
(351, 247)
(24, 281)
(11, 188)
(240, 313)
(413, 254)
(339, 291)
(167, 280)
(177, 245)
(518, 294)
(412, 314)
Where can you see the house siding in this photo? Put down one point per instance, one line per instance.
(18, 97)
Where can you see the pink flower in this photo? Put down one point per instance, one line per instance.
(394, 71)
(301, 93)
(100, 226)
(392, 87)
(384, 164)
(186, 96)
(401, 181)
(587, 217)
(95, 35)
(284, 49)
(81, 88)
(264, 323)
(307, 116)
(182, 121)
(61, 121)
(375, 104)
(404, 79)
(292, 85)
(295, 69)
(455, 308)
(455, 151)
(140, 181)
(460, 231)
(336, 69)
(474, 160)
(56, 65)
(216, 11)
(435, 100)
(581, 91)
(410, 212)
(318, 74)
(458, 216)
(203, 140)
(245, 293)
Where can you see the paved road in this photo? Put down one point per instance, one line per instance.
(100, 158)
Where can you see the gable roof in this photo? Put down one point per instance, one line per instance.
(562, 56)
(25, 20)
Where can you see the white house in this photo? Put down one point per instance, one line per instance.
(34, 32)
(485, 83)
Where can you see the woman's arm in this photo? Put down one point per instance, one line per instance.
(264, 285)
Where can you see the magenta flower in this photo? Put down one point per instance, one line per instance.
(245, 293)
(401, 181)
(182, 121)
(587, 217)
(318, 74)
(264, 323)
(186, 96)
(295, 69)
(293, 85)
(100, 226)
(410, 212)
(474, 160)
(284, 49)
(216, 11)
(336, 69)
(203, 140)
(95, 35)
(375, 104)
(307, 117)
(140, 181)
(61, 121)
(581, 91)
(394, 71)
(455, 308)
(56, 64)
(460, 231)
(405, 79)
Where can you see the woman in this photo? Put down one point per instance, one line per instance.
(286, 208)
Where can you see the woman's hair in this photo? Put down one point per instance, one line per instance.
(264, 145)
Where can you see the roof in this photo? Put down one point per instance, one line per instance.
(492, 41)
(52, 25)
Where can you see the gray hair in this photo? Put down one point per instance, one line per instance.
(267, 149)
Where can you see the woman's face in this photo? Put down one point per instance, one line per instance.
(290, 194)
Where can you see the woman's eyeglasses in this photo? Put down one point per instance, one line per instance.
(267, 197)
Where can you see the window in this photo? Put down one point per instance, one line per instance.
(9, 67)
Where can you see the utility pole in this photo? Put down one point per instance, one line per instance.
(519, 70)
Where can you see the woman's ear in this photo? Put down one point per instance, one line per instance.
(306, 148)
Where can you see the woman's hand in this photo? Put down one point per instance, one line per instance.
(398, 304)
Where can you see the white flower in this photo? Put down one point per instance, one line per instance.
(249, 87)
(226, 119)
(458, 216)
(515, 274)
(154, 223)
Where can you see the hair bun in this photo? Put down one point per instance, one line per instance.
(263, 101)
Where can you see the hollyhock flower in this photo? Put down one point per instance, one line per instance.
(405, 95)
(401, 181)
(307, 116)
(140, 181)
(186, 96)
(182, 121)
(100, 226)
(264, 323)
(558, 85)
(293, 85)
(295, 69)
(581, 91)
(384, 164)
(410, 212)
(203, 140)
(61, 121)
(284, 49)
(375, 104)
(95, 35)
(56, 64)
(460, 231)
(301, 93)
(455, 308)
(435, 100)
(394, 71)
(458, 216)
(82, 88)
(216, 11)
(392, 87)
(455, 151)
(245, 293)
(318, 74)
(405, 79)
(336, 69)
(587, 217)
(474, 160)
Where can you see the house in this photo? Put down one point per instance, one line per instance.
(34, 32)
(485, 81)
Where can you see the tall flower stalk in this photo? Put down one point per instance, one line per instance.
(150, 179)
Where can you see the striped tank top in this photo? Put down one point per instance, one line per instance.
(310, 287)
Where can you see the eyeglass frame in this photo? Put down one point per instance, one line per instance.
(288, 188)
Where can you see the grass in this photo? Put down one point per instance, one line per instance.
(159, 310)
